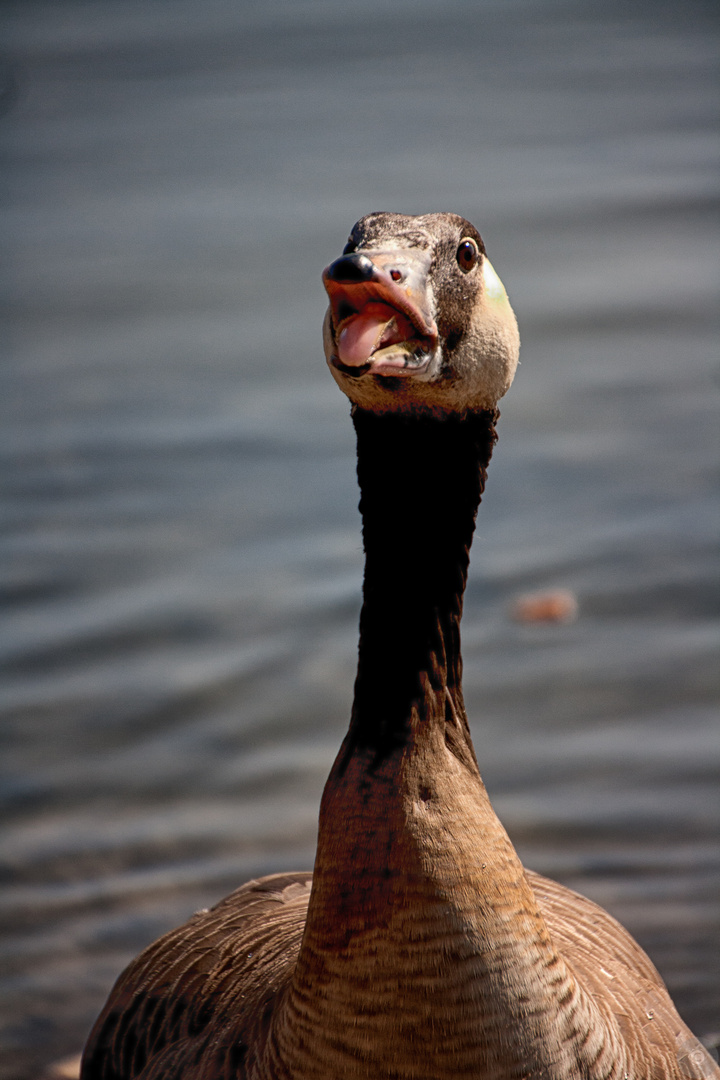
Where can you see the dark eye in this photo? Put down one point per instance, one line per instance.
(467, 255)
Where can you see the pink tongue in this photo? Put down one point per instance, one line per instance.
(360, 337)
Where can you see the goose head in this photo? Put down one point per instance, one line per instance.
(418, 320)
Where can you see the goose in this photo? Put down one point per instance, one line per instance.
(420, 948)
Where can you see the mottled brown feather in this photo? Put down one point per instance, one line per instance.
(193, 1001)
(420, 949)
(221, 968)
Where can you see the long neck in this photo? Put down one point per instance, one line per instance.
(421, 919)
(421, 480)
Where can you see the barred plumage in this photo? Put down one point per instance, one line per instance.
(420, 949)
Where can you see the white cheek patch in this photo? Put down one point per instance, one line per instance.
(494, 288)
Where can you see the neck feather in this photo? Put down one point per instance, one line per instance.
(421, 480)
(421, 919)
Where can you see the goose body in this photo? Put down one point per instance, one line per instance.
(419, 948)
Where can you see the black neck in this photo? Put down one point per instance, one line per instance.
(421, 479)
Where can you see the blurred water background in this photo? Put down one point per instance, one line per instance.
(180, 560)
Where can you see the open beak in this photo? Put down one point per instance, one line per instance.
(380, 316)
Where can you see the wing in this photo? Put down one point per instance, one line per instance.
(613, 968)
(200, 992)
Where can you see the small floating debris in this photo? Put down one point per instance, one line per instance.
(550, 605)
(67, 1069)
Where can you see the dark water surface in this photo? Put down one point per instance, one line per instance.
(180, 559)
